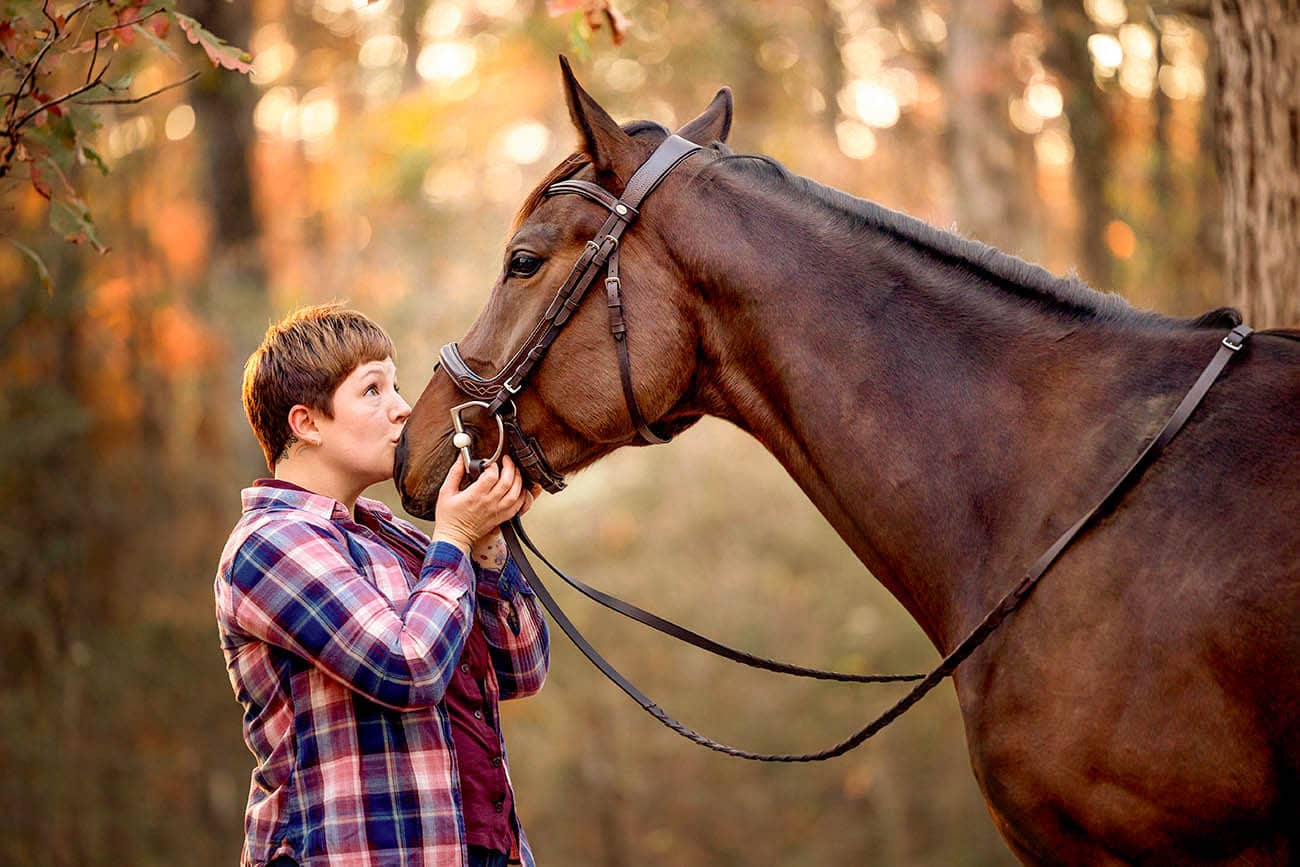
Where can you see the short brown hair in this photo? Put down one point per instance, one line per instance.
(303, 359)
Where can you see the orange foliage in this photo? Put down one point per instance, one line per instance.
(181, 342)
(181, 229)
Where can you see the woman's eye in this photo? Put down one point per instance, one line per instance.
(524, 264)
(372, 390)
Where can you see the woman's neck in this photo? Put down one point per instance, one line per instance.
(323, 480)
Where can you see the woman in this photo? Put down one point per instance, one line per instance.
(369, 659)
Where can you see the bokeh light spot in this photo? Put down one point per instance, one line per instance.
(446, 61)
(1054, 148)
(1105, 50)
(874, 103)
(1108, 13)
(1044, 99)
(179, 123)
(1120, 239)
(856, 140)
(526, 143)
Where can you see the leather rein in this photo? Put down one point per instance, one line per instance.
(496, 396)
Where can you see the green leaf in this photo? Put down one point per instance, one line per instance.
(92, 156)
(84, 119)
(155, 41)
(580, 37)
(72, 220)
(41, 270)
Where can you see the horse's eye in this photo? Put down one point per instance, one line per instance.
(524, 265)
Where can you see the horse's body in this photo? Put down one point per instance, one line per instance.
(951, 410)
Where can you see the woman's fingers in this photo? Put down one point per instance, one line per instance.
(455, 473)
(486, 480)
(508, 475)
(517, 488)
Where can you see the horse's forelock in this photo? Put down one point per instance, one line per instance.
(573, 164)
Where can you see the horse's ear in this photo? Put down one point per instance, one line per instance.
(600, 137)
(713, 124)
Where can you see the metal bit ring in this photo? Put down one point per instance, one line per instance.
(463, 441)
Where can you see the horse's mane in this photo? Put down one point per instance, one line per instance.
(1067, 295)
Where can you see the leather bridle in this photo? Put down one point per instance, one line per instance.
(496, 394)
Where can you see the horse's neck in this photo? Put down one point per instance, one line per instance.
(944, 445)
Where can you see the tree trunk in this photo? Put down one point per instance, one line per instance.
(1257, 149)
(1089, 112)
(223, 103)
(993, 196)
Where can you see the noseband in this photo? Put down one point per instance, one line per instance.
(496, 394)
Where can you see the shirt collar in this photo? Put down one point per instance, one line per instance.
(279, 494)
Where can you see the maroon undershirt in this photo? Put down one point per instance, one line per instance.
(486, 802)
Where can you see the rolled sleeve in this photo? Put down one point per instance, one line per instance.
(515, 628)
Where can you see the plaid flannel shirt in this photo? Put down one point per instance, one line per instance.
(340, 662)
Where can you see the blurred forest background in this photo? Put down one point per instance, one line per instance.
(376, 153)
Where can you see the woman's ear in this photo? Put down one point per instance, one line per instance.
(302, 425)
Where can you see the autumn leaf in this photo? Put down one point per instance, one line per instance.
(124, 35)
(220, 52)
(618, 23)
(39, 183)
(596, 13)
(53, 110)
(8, 37)
(41, 270)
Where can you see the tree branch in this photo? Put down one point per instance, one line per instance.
(67, 96)
(101, 31)
(85, 5)
(136, 99)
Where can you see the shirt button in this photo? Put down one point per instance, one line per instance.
(464, 666)
(496, 761)
(499, 805)
(478, 714)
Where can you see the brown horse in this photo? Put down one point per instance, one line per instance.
(950, 410)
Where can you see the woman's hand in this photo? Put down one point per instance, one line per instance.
(530, 495)
(466, 516)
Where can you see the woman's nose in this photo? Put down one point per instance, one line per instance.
(401, 410)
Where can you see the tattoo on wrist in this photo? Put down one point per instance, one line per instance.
(492, 555)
